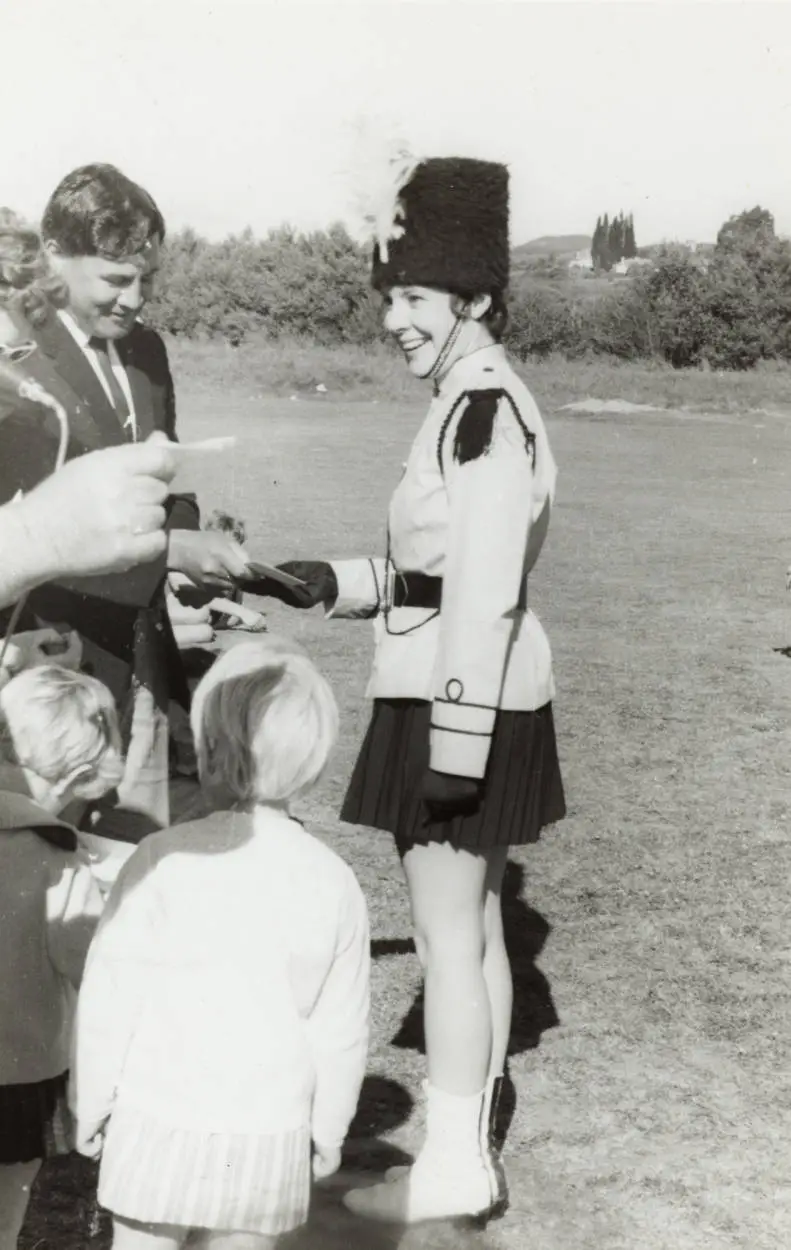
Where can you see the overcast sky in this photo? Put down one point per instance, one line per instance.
(244, 112)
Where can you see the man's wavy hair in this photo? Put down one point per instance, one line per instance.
(97, 211)
(27, 282)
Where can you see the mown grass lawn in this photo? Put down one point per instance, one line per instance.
(651, 930)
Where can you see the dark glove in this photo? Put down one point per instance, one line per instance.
(446, 795)
(318, 576)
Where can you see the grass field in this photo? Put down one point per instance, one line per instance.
(650, 931)
(262, 368)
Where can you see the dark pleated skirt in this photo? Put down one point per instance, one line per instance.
(34, 1121)
(523, 790)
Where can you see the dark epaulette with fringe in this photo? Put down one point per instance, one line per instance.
(476, 425)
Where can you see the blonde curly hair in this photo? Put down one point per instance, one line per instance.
(27, 283)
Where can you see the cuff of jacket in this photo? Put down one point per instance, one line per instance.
(183, 513)
(460, 738)
(359, 593)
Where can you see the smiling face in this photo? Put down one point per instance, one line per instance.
(106, 296)
(420, 319)
(436, 328)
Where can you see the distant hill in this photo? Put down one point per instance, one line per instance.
(560, 244)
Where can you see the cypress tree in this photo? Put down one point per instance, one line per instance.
(605, 258)
(614, 239)
(596, 244)
(629, 244)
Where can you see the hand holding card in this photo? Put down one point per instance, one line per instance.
(278, 574)
(298, 583)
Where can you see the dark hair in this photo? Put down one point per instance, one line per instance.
(496, 316)
(27, 283)
(97, 211)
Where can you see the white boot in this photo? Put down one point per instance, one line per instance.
(490, 1152)
(449, 1180)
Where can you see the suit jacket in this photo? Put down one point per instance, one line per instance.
(472, 508)
(121, 617)
(28, 447)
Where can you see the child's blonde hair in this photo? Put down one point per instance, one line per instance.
(264, 722)
(62, 725)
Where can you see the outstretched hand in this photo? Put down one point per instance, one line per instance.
(206, 558)
(320, 584)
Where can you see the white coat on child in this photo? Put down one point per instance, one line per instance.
(223, 1021)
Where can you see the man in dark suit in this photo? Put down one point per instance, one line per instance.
(103, 234)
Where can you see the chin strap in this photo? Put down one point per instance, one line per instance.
(446, 349)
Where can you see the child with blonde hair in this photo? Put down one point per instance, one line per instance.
(223, 1021)
(59, 741)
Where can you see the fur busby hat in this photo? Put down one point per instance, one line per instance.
(448, 227)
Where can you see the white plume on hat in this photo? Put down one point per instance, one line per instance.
(379, 167)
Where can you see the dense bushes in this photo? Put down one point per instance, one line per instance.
(285, 284)
(728, 309)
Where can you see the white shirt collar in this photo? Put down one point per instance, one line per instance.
(83, 341)
(77, 333)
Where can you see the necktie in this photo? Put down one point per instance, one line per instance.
(119, 399)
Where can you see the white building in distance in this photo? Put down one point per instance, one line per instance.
(583, 260)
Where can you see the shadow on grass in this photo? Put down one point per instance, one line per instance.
(384, 1105)
(391, 946)
(526, 932)
(63, 1210)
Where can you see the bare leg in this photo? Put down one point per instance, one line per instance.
(452, 1175)
(16, 1180)
(447, 889)
(496, 966)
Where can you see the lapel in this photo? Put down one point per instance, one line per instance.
(139, 382)
(95, 416)
(83, 433)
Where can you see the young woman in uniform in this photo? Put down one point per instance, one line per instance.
(459, 762)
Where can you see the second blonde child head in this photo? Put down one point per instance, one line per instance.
(264, 721)
(61, 726)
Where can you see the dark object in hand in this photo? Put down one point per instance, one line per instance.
(318, 576)
(446, 795)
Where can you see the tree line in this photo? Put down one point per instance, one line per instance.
(729, 309)
(613, 241)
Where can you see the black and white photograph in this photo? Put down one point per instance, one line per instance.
(395, 625)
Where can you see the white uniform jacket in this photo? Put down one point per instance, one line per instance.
(471, 508)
